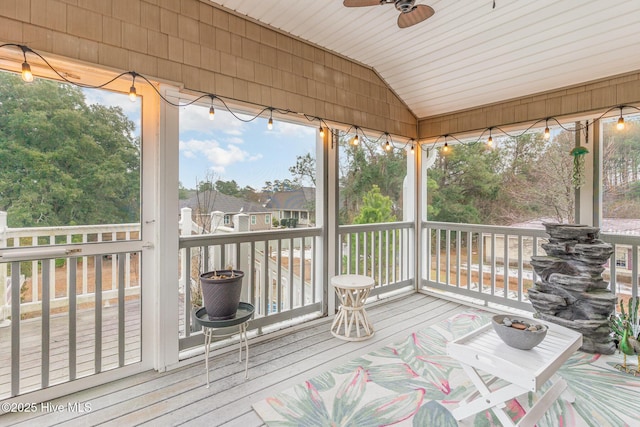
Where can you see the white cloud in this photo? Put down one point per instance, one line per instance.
(219, 156)
(290, 129)
(235, 140)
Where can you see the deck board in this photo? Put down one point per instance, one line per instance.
(180, 396)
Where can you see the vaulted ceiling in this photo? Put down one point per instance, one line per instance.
(468, 54)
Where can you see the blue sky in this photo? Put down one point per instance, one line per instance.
(235, 150)
(226, 147)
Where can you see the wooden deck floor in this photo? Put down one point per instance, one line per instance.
(180, 397)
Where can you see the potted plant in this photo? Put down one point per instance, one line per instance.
(221, 292)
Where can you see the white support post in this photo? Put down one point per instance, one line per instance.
(585, 194)
(160, 263)
(327, 160)
(52, 272)
(3, 272)
(85, 269)
(34, 273)
(410, 198)
(185, 229)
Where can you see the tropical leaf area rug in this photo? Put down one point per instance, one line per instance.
(414, 383)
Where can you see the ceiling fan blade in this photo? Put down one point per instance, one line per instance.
(359, 3)
(419, 13)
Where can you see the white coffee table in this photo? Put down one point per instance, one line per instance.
(353, 291)
(523, 370)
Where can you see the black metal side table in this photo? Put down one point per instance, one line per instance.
(225, 328)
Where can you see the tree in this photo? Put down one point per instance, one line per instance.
(363, 166)
(205, 199)
(229, 188)
(304, 170)
(65, 162)
(183, 192)
(522, 178)
(278, 185)
(376, 208)
(621, 170)
(549, 192)
(465, 186)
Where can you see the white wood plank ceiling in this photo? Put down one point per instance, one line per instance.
(468, 54)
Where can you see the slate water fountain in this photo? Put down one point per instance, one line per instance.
(571, 291)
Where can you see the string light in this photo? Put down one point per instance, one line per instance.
(27, 76)
(445, 147)
(547, 134)
(355, 141)
(387, 146)
(132, 90)
(620, 125)
(212, 111)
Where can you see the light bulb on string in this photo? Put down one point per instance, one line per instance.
(412, 147)
(132, 94)
(212, 111)
(620, 125)
(387, 146)
(445, 148)
(321, 130)
(27, 75)
(547, 134)
(270, 122)
(490, 140)
(132, 90)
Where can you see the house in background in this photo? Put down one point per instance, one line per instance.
(204, 204)
(293, 208)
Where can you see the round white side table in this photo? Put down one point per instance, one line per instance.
(352, 323)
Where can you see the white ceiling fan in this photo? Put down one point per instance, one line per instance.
(410, 13)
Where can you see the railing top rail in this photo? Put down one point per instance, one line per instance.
(71, 229)
(621, 239)
(247, 236)
(481, 228)
(358, 228)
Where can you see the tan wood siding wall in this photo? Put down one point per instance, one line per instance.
(579, 99)
(206, 49)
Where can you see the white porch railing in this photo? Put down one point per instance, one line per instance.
(468, 260)
(71, 328)
(382, 251)
(31, 285)
(66, 316)
(283, 278)
(79, 314)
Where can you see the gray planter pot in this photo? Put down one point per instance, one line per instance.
(221, 296)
